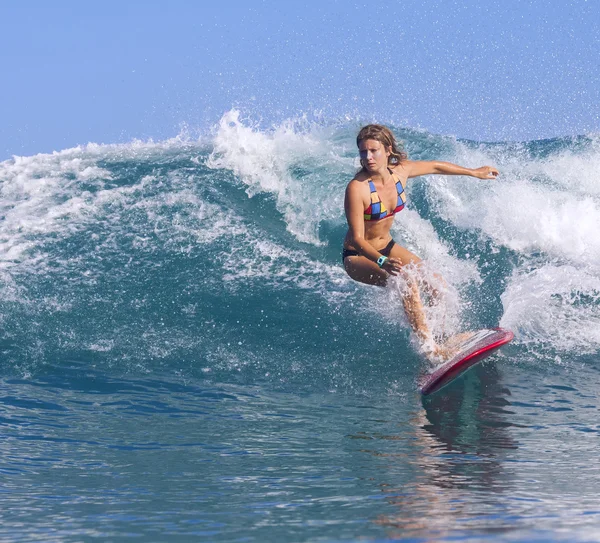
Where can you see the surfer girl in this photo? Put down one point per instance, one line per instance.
(373, 197)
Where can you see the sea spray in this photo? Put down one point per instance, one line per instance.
(156, 252)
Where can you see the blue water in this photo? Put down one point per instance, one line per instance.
(183, 357)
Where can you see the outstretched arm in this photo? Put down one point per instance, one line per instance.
(418, 167)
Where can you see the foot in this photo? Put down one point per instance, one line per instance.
(445, 351)
(456, 341)
(436, 353)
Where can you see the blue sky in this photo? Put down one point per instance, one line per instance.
(106, 72)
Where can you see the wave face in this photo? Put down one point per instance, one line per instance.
(183, 354)
(221, 257)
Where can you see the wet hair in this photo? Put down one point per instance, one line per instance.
(383, 135)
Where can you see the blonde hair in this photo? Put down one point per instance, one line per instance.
(383, 135)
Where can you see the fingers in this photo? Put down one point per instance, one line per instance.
(489, 172)
(393, 266)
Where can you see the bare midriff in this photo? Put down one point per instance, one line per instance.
(377, 233)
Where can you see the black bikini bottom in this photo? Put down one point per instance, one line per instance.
(385, 251)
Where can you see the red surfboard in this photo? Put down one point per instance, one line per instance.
(479, 346)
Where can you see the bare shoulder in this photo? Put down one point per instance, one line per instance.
(403, 169)
(358, 182)
(356, 188)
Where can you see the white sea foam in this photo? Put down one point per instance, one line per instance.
(46, 198)
(47, 193)
(419, 236)
(255, 260)
(547, 211)
(527, 218)
(265, 161)
(549, 205)
(440, 301)
(574, 172)
(554, 307)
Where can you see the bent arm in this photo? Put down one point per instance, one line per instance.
(353, 205)
(416, 168)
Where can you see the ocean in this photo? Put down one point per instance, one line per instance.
(183, 357)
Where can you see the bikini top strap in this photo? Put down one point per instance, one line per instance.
(398, 181)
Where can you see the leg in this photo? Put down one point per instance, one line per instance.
(413, 306)
(407, 257)
(432, 290)
(364, 270)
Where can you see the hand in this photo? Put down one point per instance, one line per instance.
(392, 266)
(486, 172)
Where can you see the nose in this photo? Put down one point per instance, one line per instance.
(368, 155)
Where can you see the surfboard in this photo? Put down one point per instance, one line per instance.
(476, 348)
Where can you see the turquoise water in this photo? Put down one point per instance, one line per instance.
(183, 357)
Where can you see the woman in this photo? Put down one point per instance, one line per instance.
(372, 199)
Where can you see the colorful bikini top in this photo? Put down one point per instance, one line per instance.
(376, 210)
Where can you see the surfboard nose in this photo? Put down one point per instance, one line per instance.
(473, 350)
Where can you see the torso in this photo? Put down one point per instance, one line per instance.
(377, 232)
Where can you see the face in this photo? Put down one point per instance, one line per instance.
(373, 155)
